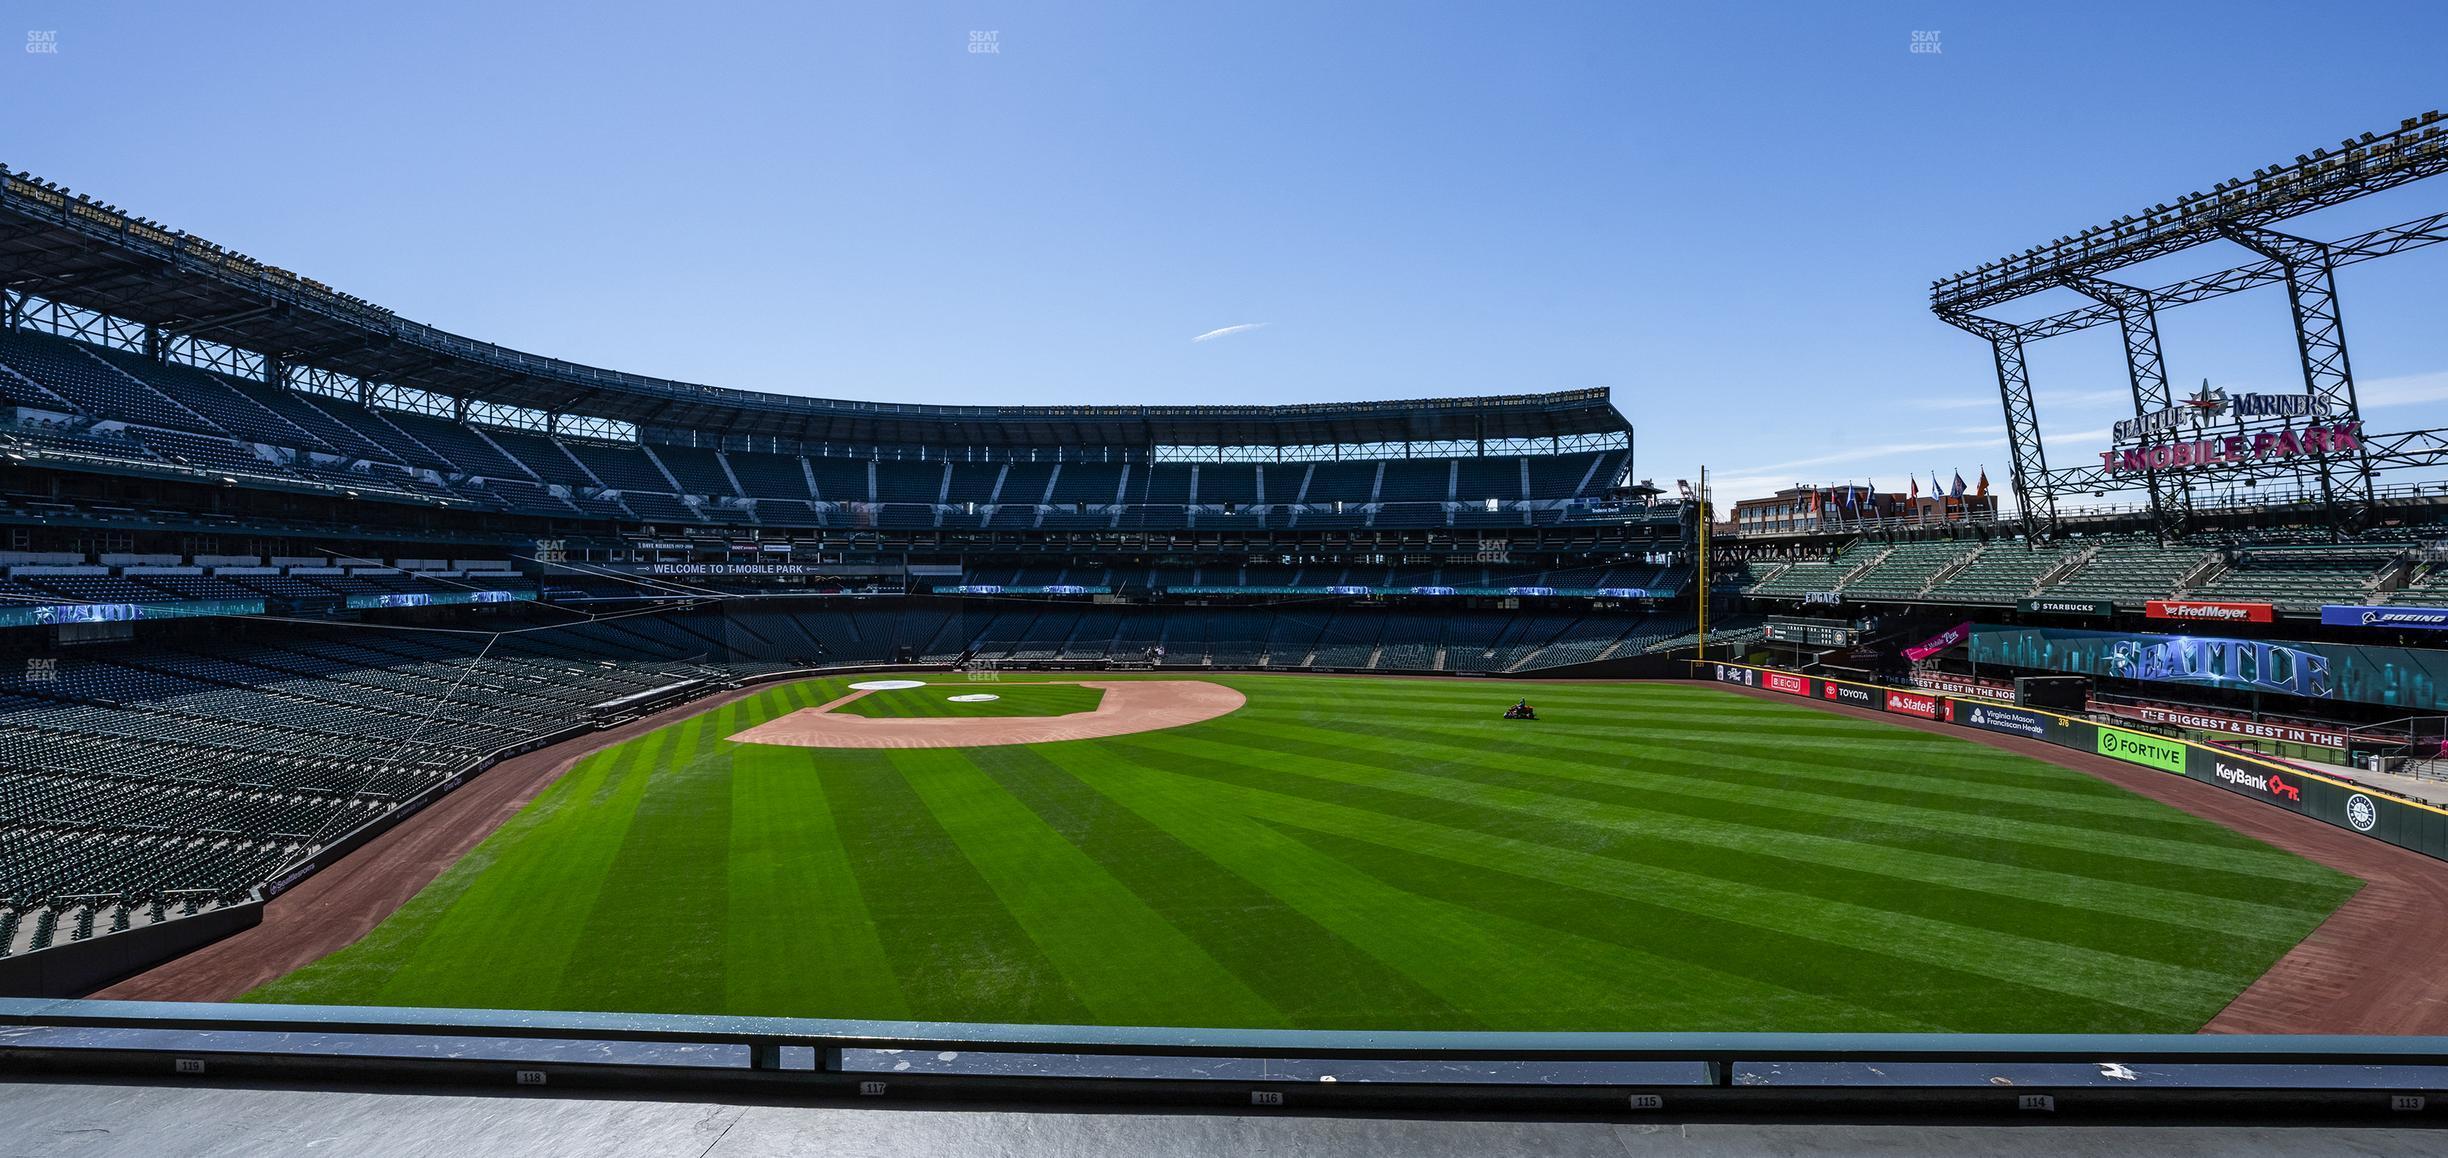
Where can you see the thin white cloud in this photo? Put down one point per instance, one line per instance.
(2043, 398)
(2403, 390)
(1229, 331)
(1867, 453)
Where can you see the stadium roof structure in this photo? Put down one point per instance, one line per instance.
(69, 249)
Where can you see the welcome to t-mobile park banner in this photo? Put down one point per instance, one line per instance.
(1939, 642)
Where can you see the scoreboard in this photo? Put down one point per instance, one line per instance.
(1812, 632)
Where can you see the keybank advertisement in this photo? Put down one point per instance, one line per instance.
(2415, 678)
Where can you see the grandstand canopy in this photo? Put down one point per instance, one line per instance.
(65, 249)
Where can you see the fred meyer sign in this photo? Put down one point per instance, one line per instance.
(2140, 748)
(2400, 618)
(2206, 611)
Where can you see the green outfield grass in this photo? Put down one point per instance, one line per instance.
(1011, 699)
(1355, 853)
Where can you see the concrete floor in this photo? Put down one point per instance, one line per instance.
(98, 1119)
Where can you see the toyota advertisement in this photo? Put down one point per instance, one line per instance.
(1854, 694)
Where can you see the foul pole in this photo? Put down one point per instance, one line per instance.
(1700, 572)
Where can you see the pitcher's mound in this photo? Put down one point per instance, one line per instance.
(1129, 706)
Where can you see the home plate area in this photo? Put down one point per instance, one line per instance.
(1124, 707)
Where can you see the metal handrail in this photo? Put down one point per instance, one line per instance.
(838, 1034)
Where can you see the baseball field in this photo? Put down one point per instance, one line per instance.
(1346, 853)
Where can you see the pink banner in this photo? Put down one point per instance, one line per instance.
(1940, 642)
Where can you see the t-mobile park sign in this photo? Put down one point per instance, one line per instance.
(2230, 450)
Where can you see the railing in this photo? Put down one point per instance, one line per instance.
(1585, 1073)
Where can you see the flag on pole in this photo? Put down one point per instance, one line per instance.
(1983, 491)
(1957, 493)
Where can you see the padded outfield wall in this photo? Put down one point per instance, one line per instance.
(2357, 808)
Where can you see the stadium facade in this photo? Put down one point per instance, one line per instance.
(226, 484)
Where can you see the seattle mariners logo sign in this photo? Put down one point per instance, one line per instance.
(2362, 813)
(2205, 404)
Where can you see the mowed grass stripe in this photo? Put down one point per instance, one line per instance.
(2008, 960)
(1705, 782)
(1908, 999)
(1930, 769)
(1128, 963)
(956, 950)
(1799, 827)
(1487, 968)
(671, 874)
(1789, 859)
(525, 898)
(1312, 977)
(801, 942)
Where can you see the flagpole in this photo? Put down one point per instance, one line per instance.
(1700, 611)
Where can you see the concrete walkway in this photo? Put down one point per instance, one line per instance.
(96, 1120)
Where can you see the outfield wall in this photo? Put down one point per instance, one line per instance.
(2357, 808)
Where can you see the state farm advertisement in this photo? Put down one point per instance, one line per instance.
(1916, 704)
(1785, 681)
(2206, 611)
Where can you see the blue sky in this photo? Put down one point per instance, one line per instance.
(1729, 214)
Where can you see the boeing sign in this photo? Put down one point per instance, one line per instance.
(2399, 618)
